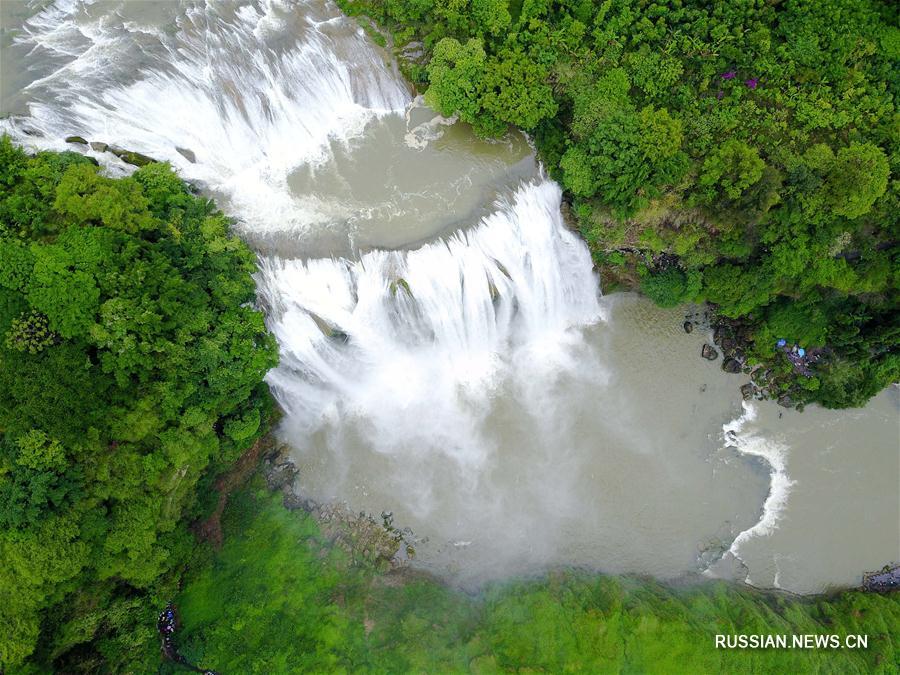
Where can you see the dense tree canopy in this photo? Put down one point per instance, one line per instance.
(755, 141)
(131, 364)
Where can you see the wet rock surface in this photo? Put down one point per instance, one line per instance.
(366, 539)
(709, 353)
(131, 157)
(187, 154)
(414, 52)
(128, 156)
(280, 472)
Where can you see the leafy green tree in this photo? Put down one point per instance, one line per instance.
(856, 178)
(492, 16)
(732, 168)
(671, 286)
(456, 74)
(516, 90)
(84, 196)
(30, 333)
(628, 157)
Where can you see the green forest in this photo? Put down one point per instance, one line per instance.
(131, 366)
(742, 153)
(313, 608)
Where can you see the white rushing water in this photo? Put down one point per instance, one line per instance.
(252, 91)
(416, 341)
(774, 454)
(462, 370)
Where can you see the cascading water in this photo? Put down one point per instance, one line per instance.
(414, 341)
(251, 92)
(443, 349)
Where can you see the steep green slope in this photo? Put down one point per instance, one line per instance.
(279, 599)
(131, 365)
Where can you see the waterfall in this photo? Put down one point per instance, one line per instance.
(251, 92)
(237, 96)
(413, 342)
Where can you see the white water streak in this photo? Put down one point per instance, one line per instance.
(775, 456)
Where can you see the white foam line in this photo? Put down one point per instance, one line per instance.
(780, 486)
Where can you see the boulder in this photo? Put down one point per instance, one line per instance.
(688, 327)
(97, 146)
(130, 157)
(747, 391)
(731, 366)
(187, 154)
(413, 51)
(328, 330)
(785, 401)
(76, 139)
(281, 474)
(709, 353)
(294, 502)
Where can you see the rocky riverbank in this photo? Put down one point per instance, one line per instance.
(366, 539)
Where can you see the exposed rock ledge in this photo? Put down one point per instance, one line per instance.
(360, 535)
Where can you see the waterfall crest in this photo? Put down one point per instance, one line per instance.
(234, 95)
(413, 342)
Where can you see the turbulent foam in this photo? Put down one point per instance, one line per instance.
(775, 455)
(232, 84)
(410, 344)
(421, 135)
